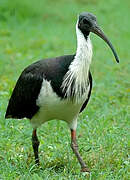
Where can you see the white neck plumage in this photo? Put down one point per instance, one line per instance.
(75, 82)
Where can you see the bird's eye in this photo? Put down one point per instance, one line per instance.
(85, 21)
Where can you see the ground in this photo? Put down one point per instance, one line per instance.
(33, 30)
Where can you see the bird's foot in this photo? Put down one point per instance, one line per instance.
(85, 169)
(37, 162)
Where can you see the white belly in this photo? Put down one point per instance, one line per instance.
(53, 107)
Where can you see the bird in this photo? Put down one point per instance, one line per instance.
(58, 88)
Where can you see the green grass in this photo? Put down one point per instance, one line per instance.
(36, 29)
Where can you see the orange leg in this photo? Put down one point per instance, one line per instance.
(74, 147)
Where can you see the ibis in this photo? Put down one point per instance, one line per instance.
(58, 88)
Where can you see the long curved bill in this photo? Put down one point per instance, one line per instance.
(101, 34)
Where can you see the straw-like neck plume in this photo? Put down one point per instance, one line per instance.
(75, 82)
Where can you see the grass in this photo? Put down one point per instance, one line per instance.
(32, 30)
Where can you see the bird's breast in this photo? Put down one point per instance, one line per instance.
(53, 107)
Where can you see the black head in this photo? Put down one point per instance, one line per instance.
(87, 23)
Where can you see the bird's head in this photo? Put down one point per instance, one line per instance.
(87, 23)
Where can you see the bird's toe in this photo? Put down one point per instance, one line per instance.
(85, 169)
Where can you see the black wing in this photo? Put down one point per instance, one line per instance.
(86, 102)
(23, 100)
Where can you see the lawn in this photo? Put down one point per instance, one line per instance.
(31, 30)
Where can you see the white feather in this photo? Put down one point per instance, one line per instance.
(79, 68)
(52, 107)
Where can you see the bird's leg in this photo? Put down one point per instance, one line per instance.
(74, 147)
(35, 144)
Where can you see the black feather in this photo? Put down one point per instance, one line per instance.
(23, 100)
(89, 93)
